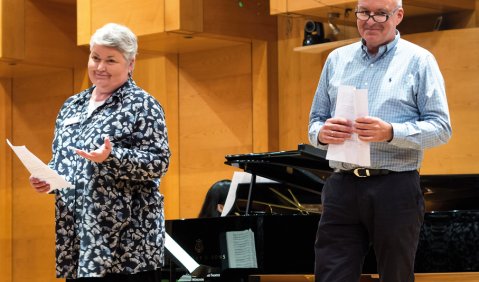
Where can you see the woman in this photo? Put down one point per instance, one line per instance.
(111, 142)
(215, 199)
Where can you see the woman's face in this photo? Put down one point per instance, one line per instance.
(107, 68)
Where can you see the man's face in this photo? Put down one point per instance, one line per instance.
(377, 34)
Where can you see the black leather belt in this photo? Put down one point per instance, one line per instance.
(365, 172)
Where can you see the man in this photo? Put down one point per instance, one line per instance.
(381, 205)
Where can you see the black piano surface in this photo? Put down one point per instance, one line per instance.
(284, 216)
(283, 243)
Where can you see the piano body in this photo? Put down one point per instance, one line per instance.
(283, 217)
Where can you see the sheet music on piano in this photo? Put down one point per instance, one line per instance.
(240, 177)
(240, 249)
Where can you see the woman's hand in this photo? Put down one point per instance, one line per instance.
(39, 185)
(99, 155)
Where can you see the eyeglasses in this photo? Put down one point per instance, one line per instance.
(379, 17)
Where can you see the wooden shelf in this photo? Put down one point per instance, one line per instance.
(178, 43)
(321, 9)
(20, 69)
(179, 26)
(319, 48)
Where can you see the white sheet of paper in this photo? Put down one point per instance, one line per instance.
(39, 169)
(180, 254)
(351, 104)
(239, 177)
(241, 249)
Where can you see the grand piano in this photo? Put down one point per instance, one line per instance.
(281, 218)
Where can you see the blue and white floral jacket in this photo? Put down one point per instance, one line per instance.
(113, 220)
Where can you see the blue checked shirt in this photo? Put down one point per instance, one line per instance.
(405, 88)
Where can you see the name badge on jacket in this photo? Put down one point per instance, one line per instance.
(71, 120)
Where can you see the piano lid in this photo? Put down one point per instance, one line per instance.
(307, 169)
(302, 168)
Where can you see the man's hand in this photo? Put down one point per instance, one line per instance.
(335, 131)
(372, 129)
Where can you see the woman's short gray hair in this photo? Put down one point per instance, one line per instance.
(116, 36)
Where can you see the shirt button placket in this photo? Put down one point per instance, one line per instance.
(368, 75)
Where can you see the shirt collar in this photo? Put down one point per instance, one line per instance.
(121, 92)
(383, 49)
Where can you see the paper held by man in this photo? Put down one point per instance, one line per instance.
(351, 104)
(39, 169)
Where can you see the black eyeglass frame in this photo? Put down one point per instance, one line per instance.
(373, 15)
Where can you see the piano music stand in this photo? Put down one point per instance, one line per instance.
(250, 192)
(305, 169)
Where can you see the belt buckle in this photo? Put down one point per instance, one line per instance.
(358, 172)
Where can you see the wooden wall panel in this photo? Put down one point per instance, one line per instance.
(159, 76)
(50, 35)
(215, 119)
(142, 17)
(249, 21)
(83, 22)
(265, 96)
(184, 15)
(278, 6)
(260, 93)
(299, 73)
(36, 101)
(476, 12)
(12, 24)
(457, 53)
(5, 181)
